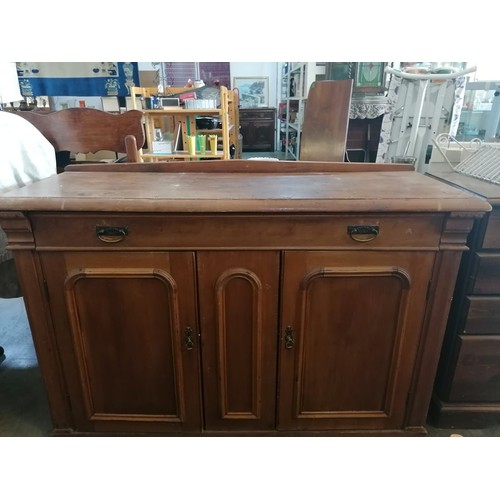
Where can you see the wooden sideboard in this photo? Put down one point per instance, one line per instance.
(258, 128)
(238, 298)
(467, 390)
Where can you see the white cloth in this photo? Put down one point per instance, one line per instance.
(26, 155)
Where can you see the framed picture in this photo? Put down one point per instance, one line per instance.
(370, 77)
(340, 70)
(253, 91)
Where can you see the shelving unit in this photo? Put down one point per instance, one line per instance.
(297, 78)
(184, 121)
(480, 114)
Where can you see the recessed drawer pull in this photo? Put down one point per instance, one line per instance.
(111, 234)
(363, 233)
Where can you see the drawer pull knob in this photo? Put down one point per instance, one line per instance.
(111, 234)
(363, 233)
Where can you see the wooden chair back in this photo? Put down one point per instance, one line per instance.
(88, 130)
(326, 120)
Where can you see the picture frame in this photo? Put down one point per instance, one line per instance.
(368, 77)
(253, 91)
(179, 140)
(340, 70)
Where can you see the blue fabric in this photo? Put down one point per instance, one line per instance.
(80, 79)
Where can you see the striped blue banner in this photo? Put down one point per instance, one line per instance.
(77, 79)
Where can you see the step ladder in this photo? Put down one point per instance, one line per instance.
(422, 106)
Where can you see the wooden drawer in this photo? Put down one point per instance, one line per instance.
(492, 235)
(257, 114)
(483, 315)
(60, 231)
(477, 373)
(487, 270)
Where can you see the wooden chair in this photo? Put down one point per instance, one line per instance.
(136, 92)
(87, 130)
(326, 120)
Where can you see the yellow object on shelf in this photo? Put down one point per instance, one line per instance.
(212, 139)
(191, 142)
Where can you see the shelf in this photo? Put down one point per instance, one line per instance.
(209, 131)
(475, 111)
(182, 123)
(304, 74)
(182, 111)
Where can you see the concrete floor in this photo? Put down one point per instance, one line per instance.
(23, 404)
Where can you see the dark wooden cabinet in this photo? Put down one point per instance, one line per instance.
(467, 389)
(363, 137)
(258, 128)
(231, 298)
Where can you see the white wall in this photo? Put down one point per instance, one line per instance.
(61, 102)
(269, 69)
(486, 70)
(146, 66)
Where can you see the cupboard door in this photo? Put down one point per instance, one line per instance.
(350, 329)
(238, 297)
(125, 325)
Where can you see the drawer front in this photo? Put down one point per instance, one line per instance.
(258, 136)
(487, 268)
(257, 114)
(483, 315)
(477, 372)
(492, 235)
(60, 231)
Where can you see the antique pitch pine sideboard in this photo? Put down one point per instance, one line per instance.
(242, 298)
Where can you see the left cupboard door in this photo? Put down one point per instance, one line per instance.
(126, 329)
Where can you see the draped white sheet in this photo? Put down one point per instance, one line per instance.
(26, 155)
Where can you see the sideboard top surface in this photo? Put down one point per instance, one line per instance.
(241, 192)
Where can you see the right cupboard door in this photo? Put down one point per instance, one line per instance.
(350, 328)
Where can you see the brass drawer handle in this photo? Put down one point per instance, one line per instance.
(111, 234)
(363, 233)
